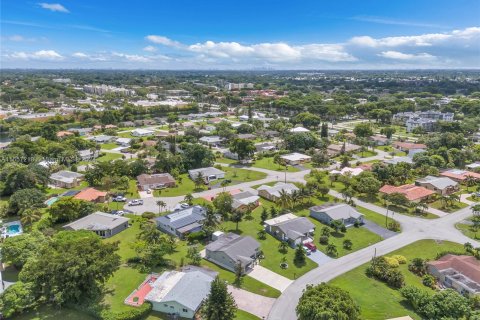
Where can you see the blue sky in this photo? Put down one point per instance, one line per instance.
(340, 34)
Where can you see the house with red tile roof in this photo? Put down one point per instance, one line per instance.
(62, 134)
(460, 175)
(92, 195)
(412, 192)
(461, 273)
(407, 146)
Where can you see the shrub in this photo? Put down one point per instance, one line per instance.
(381, 270)
(400, 259)
(418, 266)
(148, 215)
(392, 262)
(429, 281)
(323, 239)
(196, 236)
(394, 226)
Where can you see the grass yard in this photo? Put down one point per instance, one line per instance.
(53, 313)
(438, 204)
(375, 217)
(243, 315)
(57, 191)
(267, 163)
(110, 156)
(109, 146)
(366, 154)
(379, 301)
(185, 184)
(468, 230)
(225, 160)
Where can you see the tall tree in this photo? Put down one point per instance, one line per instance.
(219, 304)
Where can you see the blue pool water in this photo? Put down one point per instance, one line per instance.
(51, 201)
(13, 229)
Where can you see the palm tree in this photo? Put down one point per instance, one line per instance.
(199, 180)
(470, 181)
(453, 197)
(188, 198)
(444, 200)
(332, 250)
(161, 204)
(30, 216)
(285, 200)
(295, 197)
(283, 246)
(211, 220)
(347, 244)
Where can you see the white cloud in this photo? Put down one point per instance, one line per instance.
(16, 38)
(54, 7)
(80, 55)
(150, 49)
(131, 57)
(38, 55)
(424, 40)
(163, 41)
(405, 56)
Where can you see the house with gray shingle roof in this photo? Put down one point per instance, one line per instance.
(66, 179)
(208, 173)
(182, 222)
(231, 249)
(103, 224)
(290, 228)
(179, 293)
(272, 193)
(329, 212)
(441, 185)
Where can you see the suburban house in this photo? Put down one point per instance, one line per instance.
(208, 174)
(231, 249)
(81, 131)
(87, 154)
(460, 175)
(299, 130)
(142, 132)
(461, 273)
(379, 140)
(103, 224)
(329, 212)
(176, 293)
(348, 171)
(63, 134)
(272, 193)
(408, 146)
(91, 195)
(123, 142)
(155, 181)
(473, 166)
(440, 185)
(102, 139)
(265, 147)
(295, 158)
(66, 179)
(336, 149)
(182, 222)
(213, 141)
(412, 192)
(397, 160)
(290, 228)
(244, 201)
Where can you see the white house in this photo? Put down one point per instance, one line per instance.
(299, 130)
(296, 158)
(142, 132)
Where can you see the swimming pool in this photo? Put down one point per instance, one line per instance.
(51, 201)
(12, 229)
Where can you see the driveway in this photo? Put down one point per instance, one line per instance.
(252, 303)
(270, 278)
(144, 194)
(375, 228)
(319, 257)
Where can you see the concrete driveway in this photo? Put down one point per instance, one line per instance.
(375, 228)
(270, 278)
(144, 194)
(252, 303)
(319, 257)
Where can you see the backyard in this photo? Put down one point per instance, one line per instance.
(386, 302)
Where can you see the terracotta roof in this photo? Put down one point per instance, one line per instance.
(411, 191)
(149, 143)
(64, 133)
(466, 265)
(409, 145)
(460, 174)
(90, 194)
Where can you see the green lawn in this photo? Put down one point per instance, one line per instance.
(109, 146)
(375, 217)
(57, 191)
(366, 154)
(110, 156)
(243, 315)
(267, 163)
(225, 160)
(53, 313)
(438, 204)
(376, 299)
(468, 231)
(185, 184)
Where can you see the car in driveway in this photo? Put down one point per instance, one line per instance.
(311, 246)
(307, 251)
(135, 202)
(119, 199)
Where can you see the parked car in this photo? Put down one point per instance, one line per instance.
(136, 202)
(118, 212)
(149, 191)
(307, 251)
(119, 199)
(184, 205)
(311, 246)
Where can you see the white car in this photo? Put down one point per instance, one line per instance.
(307, 251)
(136, 202)
(119, 199)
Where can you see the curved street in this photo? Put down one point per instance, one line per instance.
(413, 229)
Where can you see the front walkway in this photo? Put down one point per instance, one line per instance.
(437, 212)
(270, 278)
(464, 196)
(252, 303)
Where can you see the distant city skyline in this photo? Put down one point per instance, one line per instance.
(307, 34)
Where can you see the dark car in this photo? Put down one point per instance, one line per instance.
(311, 246)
